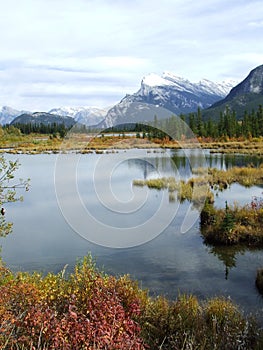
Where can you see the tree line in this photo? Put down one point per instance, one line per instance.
(41, 128)
(228, 125)
(249, 125)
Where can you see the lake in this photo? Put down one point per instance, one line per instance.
(86, 203)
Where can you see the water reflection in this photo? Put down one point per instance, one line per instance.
(228, 255)
(146, 167)
(227, 161)
(173, 262)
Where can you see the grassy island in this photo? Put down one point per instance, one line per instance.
(233, 225)
(195, 189)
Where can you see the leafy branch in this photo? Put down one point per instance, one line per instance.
(8, 190)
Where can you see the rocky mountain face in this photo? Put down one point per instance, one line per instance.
(42, 117)
(245, 96)
(175, 94)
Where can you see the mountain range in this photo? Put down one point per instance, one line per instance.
(83, 115)
(175, 95)
(164, 95)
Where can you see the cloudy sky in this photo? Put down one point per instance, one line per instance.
(92, 52)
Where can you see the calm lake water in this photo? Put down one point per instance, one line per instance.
(168, 262)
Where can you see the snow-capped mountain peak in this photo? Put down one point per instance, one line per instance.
(66, 111)
(175, 94)
(84, 115)
(170, 80)
(153, 79)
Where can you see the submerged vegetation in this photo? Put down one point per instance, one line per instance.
(88, 309)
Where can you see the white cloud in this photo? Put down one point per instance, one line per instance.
(256, 24)
(107, 46)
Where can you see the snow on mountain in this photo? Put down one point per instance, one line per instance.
(220, 88)
(7, 114)
(168, 91)
(84, 115)
(182, 84)
(66, 111)
(155, 80)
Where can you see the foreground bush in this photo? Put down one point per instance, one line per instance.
(85, 311)
(90, 310)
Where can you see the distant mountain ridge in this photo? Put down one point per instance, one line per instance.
(176, 94)
(84, 115)
(44, 118)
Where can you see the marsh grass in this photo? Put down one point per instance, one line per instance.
(250, 147)
(195, 190)
(246, 176)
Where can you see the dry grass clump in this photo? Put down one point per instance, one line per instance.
(195, 189)
(246, 176)
(187, 324)
(222, 179)
(169, 183)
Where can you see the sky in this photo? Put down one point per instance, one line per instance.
(58, 53)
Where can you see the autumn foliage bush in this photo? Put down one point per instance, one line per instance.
(84, 311)
(91, 310)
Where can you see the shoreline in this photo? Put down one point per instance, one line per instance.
(114, 144)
